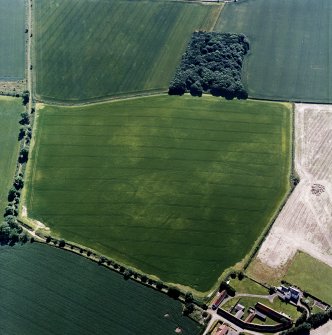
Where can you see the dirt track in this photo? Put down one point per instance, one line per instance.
(305, 223)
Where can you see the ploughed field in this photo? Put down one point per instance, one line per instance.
(10, 109)
(47, 291)
(176, 186)
(290, 45)
(12, 51)
(86, 50)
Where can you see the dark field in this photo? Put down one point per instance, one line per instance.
(290, 47)
(176, 186)
(12, 51)
(48, 291)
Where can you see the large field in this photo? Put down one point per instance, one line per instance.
(290, 47)
(92, 49)
(176, 186)
(12, 51)
(48, 291)
(10, 109)
(305, 221)
(311, 275)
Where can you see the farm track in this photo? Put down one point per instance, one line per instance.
(305, 221)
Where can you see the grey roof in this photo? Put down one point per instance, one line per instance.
(239, 314)
(260, 315)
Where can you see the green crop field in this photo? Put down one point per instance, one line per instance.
(48, 291)
(12, 51)
(179, 187)
(92, 49)
(311, 275)
(10, 109)
(291, 49)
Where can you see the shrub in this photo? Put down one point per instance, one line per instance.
(24, 154)
(173, 292)
(25, 97)
(62, 243)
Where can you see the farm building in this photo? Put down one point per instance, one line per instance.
(219, 299)
(239, 314)
(222, 330)
(239, 307)
(250, 317)
(260, 316)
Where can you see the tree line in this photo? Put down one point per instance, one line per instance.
(212, 63)
(10, 231)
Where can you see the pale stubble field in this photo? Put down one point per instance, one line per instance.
(305, 222)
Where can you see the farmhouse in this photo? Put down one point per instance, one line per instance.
(291, 294)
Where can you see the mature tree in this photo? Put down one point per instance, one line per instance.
(24, 118)
(189, 297)
(62, 243)
(173, 292)
(127, 274)
(18, 183)
(24, 154)
(25, 97)
(21, 134)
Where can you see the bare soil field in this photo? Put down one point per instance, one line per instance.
(324, 330)
(305, 222)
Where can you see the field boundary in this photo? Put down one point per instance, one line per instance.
(266, 231)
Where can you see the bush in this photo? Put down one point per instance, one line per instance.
(173, 292)
(189, 297)
(188, 308)
(25, 98)
(13, 193)
(159, 285)
(144, 278)
(127, 274)
(62, 243)
(230, 290)
(24, 154)
(18, 183)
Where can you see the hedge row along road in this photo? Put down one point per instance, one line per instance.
(176, 186)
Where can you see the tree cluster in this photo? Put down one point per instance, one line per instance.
(10, 231)
(212, 63)
(303, 324)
